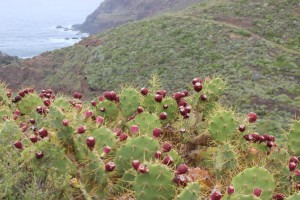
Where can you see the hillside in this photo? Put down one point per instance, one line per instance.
(112, 13)
(6, 59)
(253, 44)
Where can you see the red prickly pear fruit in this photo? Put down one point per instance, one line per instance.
(15, 117)
(157, 154)
(16, 99)
(110, 166)
(135, 164)
(140, 109)
(166, 147)
(198, 87)
(144, 91)
(65, 122)
(182, 110)
(297, 172)
(177, 96)
(47, 102)
(24, 128)
(196, 80)
(168, 160)
(143, 169)
(5, 118)
(134, 129)
(22, 94)
(88, 113)
(271, 138)
(81, 129)
(156, 132)
(292, 166)
(247, 137)
(180, 179)
(161, 92)
(186, 93)
(294, 159)
(122, 137)
(111, 95)
(297, 186)
(39, 155)
(117, 99)
(257, 192)
(32, 121)
(78, 107)
(90, 141)
(93, 103)
(242, 128)
(43, 133)
(33, 138)
(17, 112)
(182, 169)
(252, 117)
(101, 98)
(203, 97)
(165, 106)
(39, 109)
(106, 150)
(215, 196)
(118, 131)
(158, 98)
(230, 190)
(99, 120)
(278, 196)
(76, 95)
(18, 145)
(270, 144)
(182, 102)
(163, 116)
(255, 136)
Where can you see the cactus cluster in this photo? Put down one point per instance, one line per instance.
(144, 144)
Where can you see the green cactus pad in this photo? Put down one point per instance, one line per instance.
(213, 88)
(94, 177)
(146, 122)
(149, 103)
(111, 109)
(172, 109)
(244, 197)
(256, 177)
(222, 126)
(104, 137)
(129, 101)
(294, 139)
(62, 102)
(3, 97)
(177, 159)
(9, 133)
(156, 184)
(29, 103)
(295, 196)
(226, 158)
(190, 192)
(126, 182)
(54, 158)
(141, 148)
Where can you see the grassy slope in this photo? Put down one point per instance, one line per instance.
(253, 44)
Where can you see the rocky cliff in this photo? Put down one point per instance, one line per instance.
(112, 13)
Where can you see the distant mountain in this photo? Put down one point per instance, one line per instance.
(112, 13)
(6, 59)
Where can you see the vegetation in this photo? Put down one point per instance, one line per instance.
(141, 144)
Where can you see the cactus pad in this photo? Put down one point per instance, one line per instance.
(191, 192)
(171, 110)
(256, 177)
(294, 139)
(28, 104)
(129, 101)
(156, 184)
(146, 122)
(141, 148)
(111, 109)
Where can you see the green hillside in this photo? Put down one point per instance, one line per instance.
(253, 44)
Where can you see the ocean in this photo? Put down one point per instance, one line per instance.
(29, 28)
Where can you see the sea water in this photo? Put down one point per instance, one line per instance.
(29, 27)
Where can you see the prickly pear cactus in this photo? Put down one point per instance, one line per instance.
(9, 133)
(252, 178)
(294, 138)
(146, 122)
(191, 191)
(226, 158)
(149, 103)
(107, 109)
(3, 97)
(103, 137)
(141, 148)
(155, 184)
(244, 197)
(295, 196)
(177, 159)
(129, 101)
(214, 88)
(222, 126)
(168, 105)
(29, 103)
